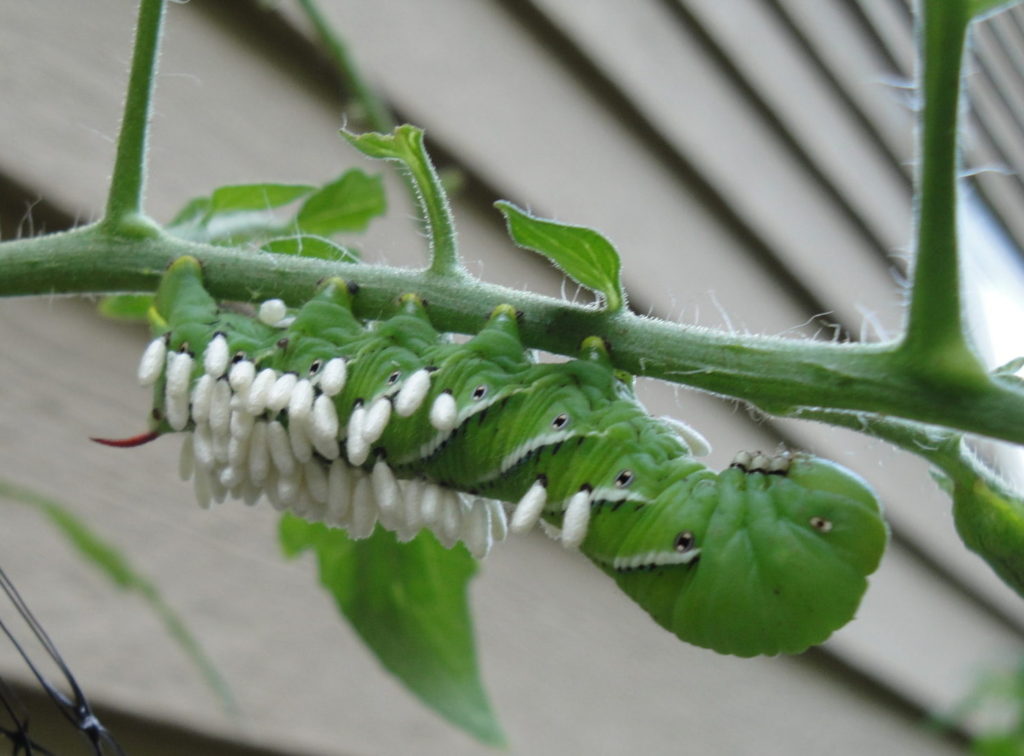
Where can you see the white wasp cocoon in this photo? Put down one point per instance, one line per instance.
(315, 510)
(576, 520)
(230, 477)
(238, 452)
(301, 401)
(376, 419)
(444, 413)
(412, 393)
(270, 489)
(280, 448)
(251, 492)
(431, 505)
(451, 518)
(220, 408)
(411, 517)
(356, 447)
(332, 377)
(364, 511)
(201, 487)
(498, 520)
(215, 358)
(529, 508)
(328, 448)
(324, 425)
(187, 458)
(151, 366)
(259, 391)
(288, 490)
(202, 446)
(281, 392)
(272, 312)
(316, 481)
(476, 530)
(217, 489)
(221, 442)
(339, 493)
(176, 409)
(179, 373)
(241, 375)
(298, 436)
(241, 424)
(385, 490)
(201, 395)
(259, 454)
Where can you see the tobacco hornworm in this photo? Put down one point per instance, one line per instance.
(391, 423)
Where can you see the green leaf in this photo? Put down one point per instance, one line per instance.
(116, 567)
(408, 602)
(306, 245)
(581, 253)
(193, 212)
(405, 146)
(131, 307)
(248, 197)
(347, 204)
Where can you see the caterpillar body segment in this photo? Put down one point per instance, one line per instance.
(392, 423)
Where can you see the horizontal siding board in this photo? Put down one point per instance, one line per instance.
(890, 22)
(850, 54)
(778, 69)
(666, 72)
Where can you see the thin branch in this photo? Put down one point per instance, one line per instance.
(377, 114)
(778, 375)
(936, 335)
(124, 201)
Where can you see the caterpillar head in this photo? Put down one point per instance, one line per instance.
(751, 561)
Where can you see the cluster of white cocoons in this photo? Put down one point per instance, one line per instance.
(238, 447)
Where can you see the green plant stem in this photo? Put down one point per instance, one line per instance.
(378, 116)
(778, 375)
(124, 213)
(936, 335)
(109, 560)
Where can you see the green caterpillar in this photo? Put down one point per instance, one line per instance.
(390, 423)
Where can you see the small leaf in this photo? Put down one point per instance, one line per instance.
(193, 212)
(347, 204)
(408, 603)
(131, 307)
(247, 197)
(112, 562)
(581, 253)
(405, 146)
(306, 245)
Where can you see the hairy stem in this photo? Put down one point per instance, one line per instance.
(376, 112)
(936, 335)
(778, 375)
(124, 213)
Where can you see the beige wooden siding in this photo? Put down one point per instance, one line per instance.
(751, 159)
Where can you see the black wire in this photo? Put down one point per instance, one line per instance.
(75, 709)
